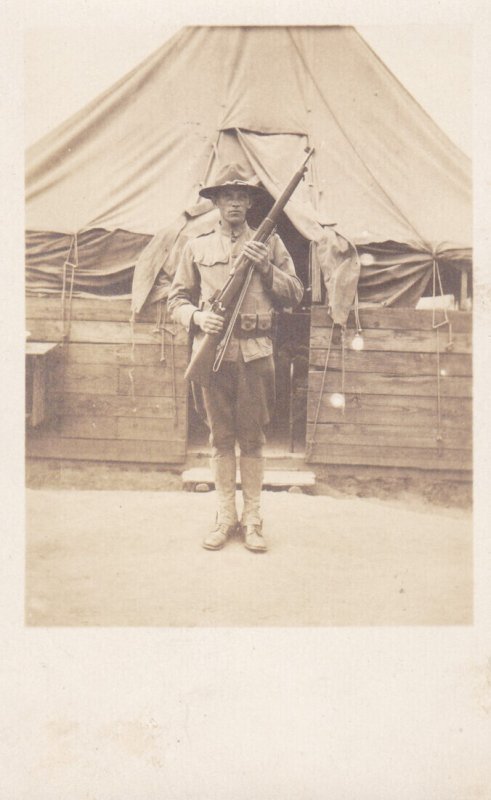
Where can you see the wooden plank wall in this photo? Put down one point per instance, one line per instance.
(391, 390)
(113, 394)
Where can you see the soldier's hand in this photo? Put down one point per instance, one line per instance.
(208, 321)
(258, 253)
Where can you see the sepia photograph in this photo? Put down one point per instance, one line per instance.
(245, 340)
(249, 333)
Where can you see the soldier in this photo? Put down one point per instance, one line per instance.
(240, 398)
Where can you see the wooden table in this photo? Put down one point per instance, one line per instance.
(37, 381)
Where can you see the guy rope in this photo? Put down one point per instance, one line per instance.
(311, 442)
(449, 346)
(162, 328)
(66, 316)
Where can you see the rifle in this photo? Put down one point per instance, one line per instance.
(206, 359)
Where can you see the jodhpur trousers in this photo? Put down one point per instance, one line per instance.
(239, 403)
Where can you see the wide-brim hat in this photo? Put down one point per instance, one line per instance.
(231, 176)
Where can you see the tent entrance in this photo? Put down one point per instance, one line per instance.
(286, 431)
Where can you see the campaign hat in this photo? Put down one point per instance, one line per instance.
(232, 176)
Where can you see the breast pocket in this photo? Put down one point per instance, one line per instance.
(213, 275)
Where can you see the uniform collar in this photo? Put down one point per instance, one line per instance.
(245, 230)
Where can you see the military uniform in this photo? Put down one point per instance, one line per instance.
(240, 398)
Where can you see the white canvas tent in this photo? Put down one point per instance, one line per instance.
(129, 166)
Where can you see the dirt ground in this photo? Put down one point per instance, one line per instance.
(133, 557)
(416, 489)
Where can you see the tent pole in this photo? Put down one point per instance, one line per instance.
(314, 178)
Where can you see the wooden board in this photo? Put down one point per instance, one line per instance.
(390, 387)
(371, 472)
(378, 383)
(169, 452)
(151, 381)
(125, 354)
(394, 363)
(114, 394)
(96, 427)
(103, 332)
(403, 319)
(87, 427)
(420, 458)
(39, 349)
(390, 435)
(86, 378)
(146, 428)
(41, 359)
(400, 341)
(402, 410)
(39, 392)
(273, 478)
(391, 413)
(107, 405)
(87, 308)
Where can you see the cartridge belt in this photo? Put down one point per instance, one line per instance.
(253, 325)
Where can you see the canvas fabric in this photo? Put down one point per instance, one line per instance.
(129, 166)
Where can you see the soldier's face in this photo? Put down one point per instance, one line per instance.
(233, 205)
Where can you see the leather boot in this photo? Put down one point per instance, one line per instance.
(251, 476)
(216, 538)
(254, 539)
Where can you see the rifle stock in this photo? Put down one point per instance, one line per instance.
(201, 364)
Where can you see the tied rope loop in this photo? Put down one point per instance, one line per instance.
(66, 316)
(343, 352)
(357, 314)
(162, 328)
(321, 393)
(131, 371)
(439, 435)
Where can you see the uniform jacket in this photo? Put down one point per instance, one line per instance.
(205, 266)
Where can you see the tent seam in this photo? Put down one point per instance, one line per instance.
(354, 149)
